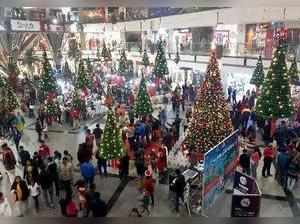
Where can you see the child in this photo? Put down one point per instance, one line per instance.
(146, 202)
(35, 191)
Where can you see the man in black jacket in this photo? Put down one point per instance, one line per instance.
(24, 156)
(245, 161)
(179, 187)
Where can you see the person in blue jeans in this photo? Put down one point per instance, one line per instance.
(88, 172)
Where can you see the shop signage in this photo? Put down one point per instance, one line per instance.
(246, 196)
(54, 28)
(219, 165)
(24, 25)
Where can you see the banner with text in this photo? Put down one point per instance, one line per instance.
(219, 164)
(25, 25)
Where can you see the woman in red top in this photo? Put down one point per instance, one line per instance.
(255, 157)
(268, 159)
(149, 185)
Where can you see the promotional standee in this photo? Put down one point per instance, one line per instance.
(219, 165)
(246, 196)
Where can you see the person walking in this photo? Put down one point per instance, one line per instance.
(102, 165)
(5, 208)
(35, 191)
(97, 133)
(282, 168)
(98, 206)
(148, 184)
(268, 159)
(179, 187)
(9, 161)
(66, 176)
(53, 172)
(31, 172)
(24, 155)
(88, 172)
(292, 174)
(254, 161)
(245, 162)
(39, 129)
(20, 193)
(47, 187)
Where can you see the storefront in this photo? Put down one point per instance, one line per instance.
(182, 40)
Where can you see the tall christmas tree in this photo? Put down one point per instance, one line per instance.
(210, 122)
(275, 99)
(78, 101)
(13, 72)
(258, 74)
(8, 98)
(293, 72)
(48, 81)
(145, 59)
(83, 81)
(143, 105)
(123, 64)
(111, 146)
(161, 65)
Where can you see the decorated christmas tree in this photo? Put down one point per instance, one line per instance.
(106, 55)
(83, 81)
(123, 64)
(78, 101)
(52, 107)
(210, 122)
(143, 105)
(48, 81)
(258, 74)
(275, 99)
(161, 65)
(111, 146)
(293, 72)
(8, 98)
(145, 59)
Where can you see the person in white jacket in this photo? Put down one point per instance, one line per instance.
(5, 209)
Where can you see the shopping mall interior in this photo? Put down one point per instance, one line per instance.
(134, 108)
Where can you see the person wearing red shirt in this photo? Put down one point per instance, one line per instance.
(255, 157)
(148, 184)
(268, 159)
(44, 151)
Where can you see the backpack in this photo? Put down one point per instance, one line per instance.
(71, 209)
(9, 160)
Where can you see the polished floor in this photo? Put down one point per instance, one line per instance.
(122, 197)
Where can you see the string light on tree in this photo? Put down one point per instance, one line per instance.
(293, 73)
(8, 98)
(258, 74)
(111, 146)
(143, 105)
(210, 123)
(145, 59)
(276, 89)
(123, 63)
(161, 65)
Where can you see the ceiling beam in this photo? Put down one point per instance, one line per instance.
(148, 3)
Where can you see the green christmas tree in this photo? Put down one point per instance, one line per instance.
(275, 99)
(143, 105)
(8, 98)
(293, 72)
(258, 74)
(210, 122)
(106, 53)
(123, 64)
(145, 59)
(48, 81)
(83, 81)
(161, 65)
(78, 103)
(111, 146)
(52, 107)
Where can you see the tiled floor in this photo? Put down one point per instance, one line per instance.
(129, 196)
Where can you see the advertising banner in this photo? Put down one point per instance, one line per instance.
(25, 25)
(219, 164)
(246, 196)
